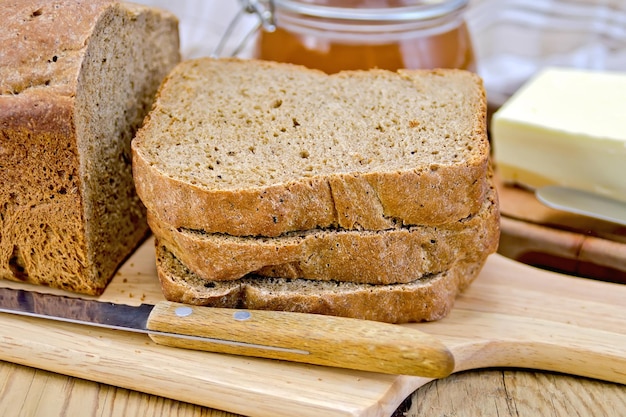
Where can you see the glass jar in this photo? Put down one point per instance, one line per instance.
(334, 35)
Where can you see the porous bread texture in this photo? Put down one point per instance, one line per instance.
(426, 299)
(398, 255)
(253, 148)
(76, 80)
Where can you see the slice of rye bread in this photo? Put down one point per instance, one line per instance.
(397, 255)
(253, 148)
(426, 299)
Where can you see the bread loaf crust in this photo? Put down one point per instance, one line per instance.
(431, 192)
(427, 299)
(370, 201)
(69, 214)
(395, 255)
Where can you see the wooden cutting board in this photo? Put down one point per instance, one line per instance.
(512, 315)
(535, 234)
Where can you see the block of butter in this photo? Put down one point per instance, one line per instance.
(564, 127)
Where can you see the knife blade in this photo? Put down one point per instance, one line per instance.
(298, 337)
(583, 202)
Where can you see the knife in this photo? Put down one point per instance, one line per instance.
(583, 202)
(299, 337)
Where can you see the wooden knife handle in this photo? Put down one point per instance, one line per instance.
(309, 338)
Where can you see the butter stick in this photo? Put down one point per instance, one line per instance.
(565, 127)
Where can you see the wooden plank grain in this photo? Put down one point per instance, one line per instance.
(29, 392)
(513, 316)
(517, 393)
(557, 395)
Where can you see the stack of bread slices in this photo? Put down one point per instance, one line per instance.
(364, 194)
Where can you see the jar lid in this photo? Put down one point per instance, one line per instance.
(395, 11)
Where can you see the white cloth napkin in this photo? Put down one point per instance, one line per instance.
(513, 38)
(516, 38)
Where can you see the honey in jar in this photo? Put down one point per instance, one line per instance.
(335, 35)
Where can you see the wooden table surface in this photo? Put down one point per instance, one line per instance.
(29, 392)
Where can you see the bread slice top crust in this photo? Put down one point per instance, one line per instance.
(32, 59)
(247, 147)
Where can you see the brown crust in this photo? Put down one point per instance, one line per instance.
(37, 112)
(413, 197)
(393, 256)
(35, 60)
(423, 300)
(44, 207)
(427, 195)
(43, 234)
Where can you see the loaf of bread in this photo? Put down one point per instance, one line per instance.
(398, 255)
(252, 148)
(76, 80)
(428, 298)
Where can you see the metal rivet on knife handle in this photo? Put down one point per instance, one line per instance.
(184, 311)
(241, 315)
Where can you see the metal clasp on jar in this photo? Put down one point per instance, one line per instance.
(265, 13)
